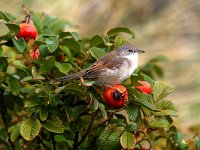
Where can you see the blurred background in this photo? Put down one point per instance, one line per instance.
(163, 27)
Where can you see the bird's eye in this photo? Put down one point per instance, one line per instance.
(130, 50)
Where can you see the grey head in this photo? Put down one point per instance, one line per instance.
(128, 49)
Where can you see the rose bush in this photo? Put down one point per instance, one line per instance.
(36, 114)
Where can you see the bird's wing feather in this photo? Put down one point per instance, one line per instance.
(109, 61)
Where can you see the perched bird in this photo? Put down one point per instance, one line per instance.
(111, 69)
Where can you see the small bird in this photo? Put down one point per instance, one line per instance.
(111, 69)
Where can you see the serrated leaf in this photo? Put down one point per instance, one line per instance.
(161, 90)
(109, 139)
(52, 44)
(166, 108)
(14, 132)
(43, 114)
(127, 140)
(19, 44)
(54, 124)
(48, 65)
(119, 30)
(14, 86)
(63, 67)
(13, 27)
(30, 128)
(119, 41)
(4, 64)
(102, 109)
(159, 123)
(97, 52)
(144, 103)
(133, 112)
(71, 88)
(165, 105)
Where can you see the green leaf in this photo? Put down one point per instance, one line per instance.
(4, 64)
(67, 51)
(14, 131)
(71, 44)
(119, 41)
(97, 52)
(166, 108)
(35, 101)
(132, 127)
(52, 44)
(54, 124)
(30, 128)
(133, 112)
(127, 140)
(159, 123)
(74, 35)
(47, 66)
(14, 86)
(71, 88)
(102, 109)
(161, 90)
(43, 113)
(6, 16)
(13, 28)
(63, 67)
(109, 139)
(119, 30)
(19, 44)
(99, 39)
(37, 21)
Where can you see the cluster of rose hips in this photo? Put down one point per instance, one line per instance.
(116, 96)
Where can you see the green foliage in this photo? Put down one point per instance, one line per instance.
(71, 115)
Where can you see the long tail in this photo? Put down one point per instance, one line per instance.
(75, 76)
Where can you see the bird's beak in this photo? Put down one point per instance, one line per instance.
(139, 51)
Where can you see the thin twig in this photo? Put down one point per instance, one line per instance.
(76, 140)
(87, 131)
(43, 144)
(53, 141)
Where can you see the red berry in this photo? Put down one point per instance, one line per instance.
(116, 96)
(27, 31)
(145, 87)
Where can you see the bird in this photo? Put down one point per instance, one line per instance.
(113, 68)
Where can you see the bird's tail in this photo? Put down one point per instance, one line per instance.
(75, 76)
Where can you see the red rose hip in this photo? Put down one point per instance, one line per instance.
(27, 31)
(116, 96)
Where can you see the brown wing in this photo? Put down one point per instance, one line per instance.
(108, 61)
